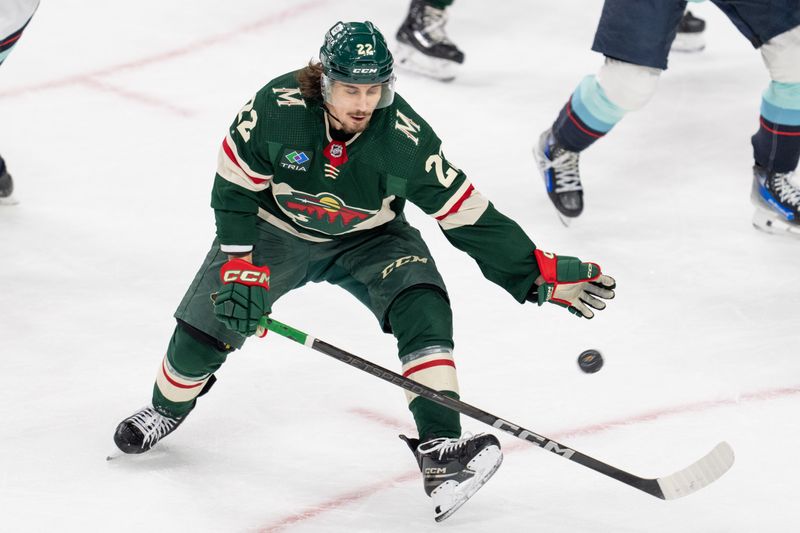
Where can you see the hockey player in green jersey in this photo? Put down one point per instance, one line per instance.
(310, 186)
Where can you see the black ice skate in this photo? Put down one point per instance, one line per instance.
(691, 34)
(423, 45)
(559, 168)
(454, 469)
(6, 188)
(143, 429)
(777, 201)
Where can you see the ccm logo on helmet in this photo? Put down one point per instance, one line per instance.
(365, 70)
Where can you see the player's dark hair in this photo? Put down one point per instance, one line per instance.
(309, 79)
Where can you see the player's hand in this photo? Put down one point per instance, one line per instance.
(244, 296)
(570, 283)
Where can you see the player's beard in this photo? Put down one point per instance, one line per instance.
(354, 126)
(347, 124)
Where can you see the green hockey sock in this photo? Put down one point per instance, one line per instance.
(186, 371)
(434, 420)
(422, 322)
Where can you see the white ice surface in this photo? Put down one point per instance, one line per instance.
(111, 115)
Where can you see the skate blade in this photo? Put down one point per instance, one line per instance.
(769, 222)
(409, 58)
(462, 499)
(156, 454)
(116, 454)
(8, 200)
(567, 221)
(688, 43)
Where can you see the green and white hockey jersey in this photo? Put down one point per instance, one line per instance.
(278, 163)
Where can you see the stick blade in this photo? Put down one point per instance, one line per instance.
(696, 476)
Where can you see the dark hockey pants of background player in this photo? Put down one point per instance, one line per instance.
(389, 269)
(641, 33)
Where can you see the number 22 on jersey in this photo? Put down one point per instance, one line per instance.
(245, 126)
(437, 162)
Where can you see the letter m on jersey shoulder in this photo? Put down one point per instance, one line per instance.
(407, 126)
(289, 96)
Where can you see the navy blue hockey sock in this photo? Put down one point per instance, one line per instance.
(586, 117)
(776, 147)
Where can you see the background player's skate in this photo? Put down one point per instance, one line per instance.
(561, 173)
(423, 46)
(691, 34)
(777, 201)
(6, 186)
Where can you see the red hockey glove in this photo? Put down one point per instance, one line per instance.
(570, 283)
(244, 296)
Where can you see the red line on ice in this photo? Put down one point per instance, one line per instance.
(388, 421)
(340, 501)
(141, 98)
(86, 78)
(364, 492)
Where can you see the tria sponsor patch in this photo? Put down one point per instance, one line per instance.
(296, 160)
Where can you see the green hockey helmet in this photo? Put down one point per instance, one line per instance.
(356, 53)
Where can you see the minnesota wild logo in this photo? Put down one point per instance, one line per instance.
(324, 212)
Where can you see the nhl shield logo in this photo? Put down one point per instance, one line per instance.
(335, 153)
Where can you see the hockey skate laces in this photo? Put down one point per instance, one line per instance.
(444, 444)
(787, 192)
(434, 20)
(152, 424)
(566, 172)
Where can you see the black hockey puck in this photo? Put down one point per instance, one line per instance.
(590, 361)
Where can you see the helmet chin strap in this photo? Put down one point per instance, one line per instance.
(334, 117)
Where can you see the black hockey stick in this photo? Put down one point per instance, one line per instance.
(682, 483)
